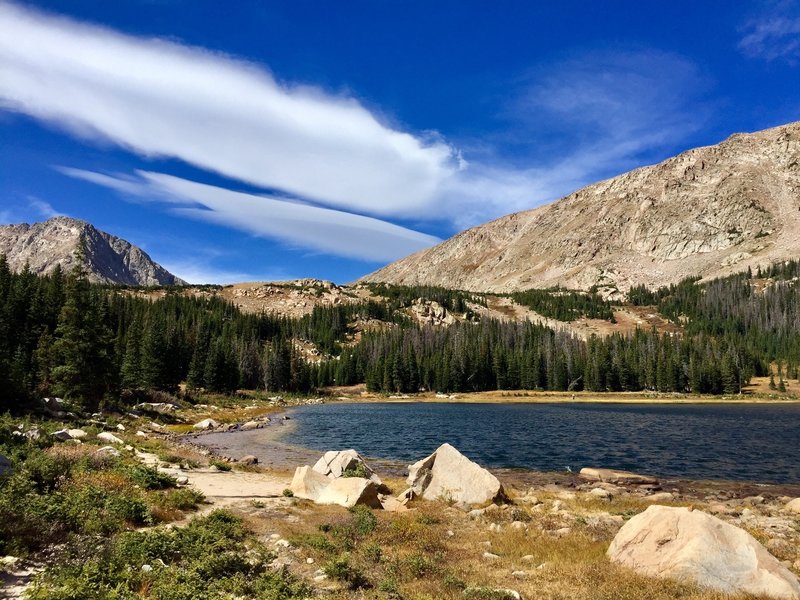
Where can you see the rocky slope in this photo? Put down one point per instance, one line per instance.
(109, 259)
(709, 211)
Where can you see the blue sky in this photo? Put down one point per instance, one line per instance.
(257, 140)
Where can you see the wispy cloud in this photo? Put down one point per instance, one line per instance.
(322, 156)
(607, 112)
(297, 224)
(162, 99)
(43, 208)
(775, 35)
(198, 271)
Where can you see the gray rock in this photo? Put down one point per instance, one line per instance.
(249, 460)
(206, 424)
(109, 437)
(616, 476)
(447, 474)
(350, 491)
(308, 483)
(686, 544)
(335, 463)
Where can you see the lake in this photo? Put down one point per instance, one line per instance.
(749, 442)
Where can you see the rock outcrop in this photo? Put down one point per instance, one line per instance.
(206, 424)
(308, 483)
(108, 259)
(616, 476)
(349, 491)
(709, 211)
(336, 463)
(447, 474)
(685, 544)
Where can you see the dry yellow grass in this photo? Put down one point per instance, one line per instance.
(435, 551)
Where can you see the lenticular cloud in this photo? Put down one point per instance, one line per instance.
(163, 99)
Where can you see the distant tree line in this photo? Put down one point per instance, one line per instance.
(61, 335)
(565, 305)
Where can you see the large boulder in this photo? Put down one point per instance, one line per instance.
(450, 475)
(338, 463)
(206, 424)
(616, 476)
(793, 505)
(685, 544)
(349, 491)
(308, 483)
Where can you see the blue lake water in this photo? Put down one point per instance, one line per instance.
(701, 441)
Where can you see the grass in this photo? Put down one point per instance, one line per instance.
(212, 557)
(411, 555)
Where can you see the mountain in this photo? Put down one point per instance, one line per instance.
(707, 212)
(109, 259)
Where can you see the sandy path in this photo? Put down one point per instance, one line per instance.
(226, 488)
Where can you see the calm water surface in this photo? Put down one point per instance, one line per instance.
(744, 442)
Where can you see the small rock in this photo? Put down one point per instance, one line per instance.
(527, 558)
(206, 424)
(475, 514)
(120, 427)
(495, 527)
(310, 561)
(490, 556)
(563, 531)
(283, 543)
(450, 533)
(661, 497)
(558, 505)
(62, 435)
(249, 460)
(518, 525)
(141, 434)
(182, 480)
(600, 493)
(109, 437)
(476, 593)
(519, 574)
(146, 568)
(110, 450)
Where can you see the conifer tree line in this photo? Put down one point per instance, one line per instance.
(61, 335)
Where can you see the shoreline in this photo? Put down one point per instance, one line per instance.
(277, 456)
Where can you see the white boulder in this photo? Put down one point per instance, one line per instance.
(308, 483)
(349, 491)
(336, 463)
(685, 544)
(109, 437)
(616, 476)
(206, 424)
(448, 474)
(793, 505)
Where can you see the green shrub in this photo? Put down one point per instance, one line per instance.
(360, 470)
(212, 557)
(148, 478)
(222, 466)
(419, 565)
(342, 569)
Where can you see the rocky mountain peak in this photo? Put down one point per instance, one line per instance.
(707, 212)
(108, 259)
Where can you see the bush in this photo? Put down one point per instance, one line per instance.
(342, 569)
(149, 478)
(212, 557)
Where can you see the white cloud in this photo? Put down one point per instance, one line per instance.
(45, 209)
(194, 271)
(608, 112)
(774, 35)
(162, 99)
(297, 224)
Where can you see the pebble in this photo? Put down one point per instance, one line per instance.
(310, 561)
(518, 525)
(450, 533)
(527, 558)
(600, 493)
(146, 568)
(182, 480)
(519, 574)
(495, 527)
(490, 556)
(283, 543)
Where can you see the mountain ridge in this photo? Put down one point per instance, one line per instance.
(108, 258)
(708, 212)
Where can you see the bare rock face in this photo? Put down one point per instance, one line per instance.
(709, 211)
(108, 259)
(308, 483)
(685, 544)
(448, 474)
(349, 491)
(337, 463)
